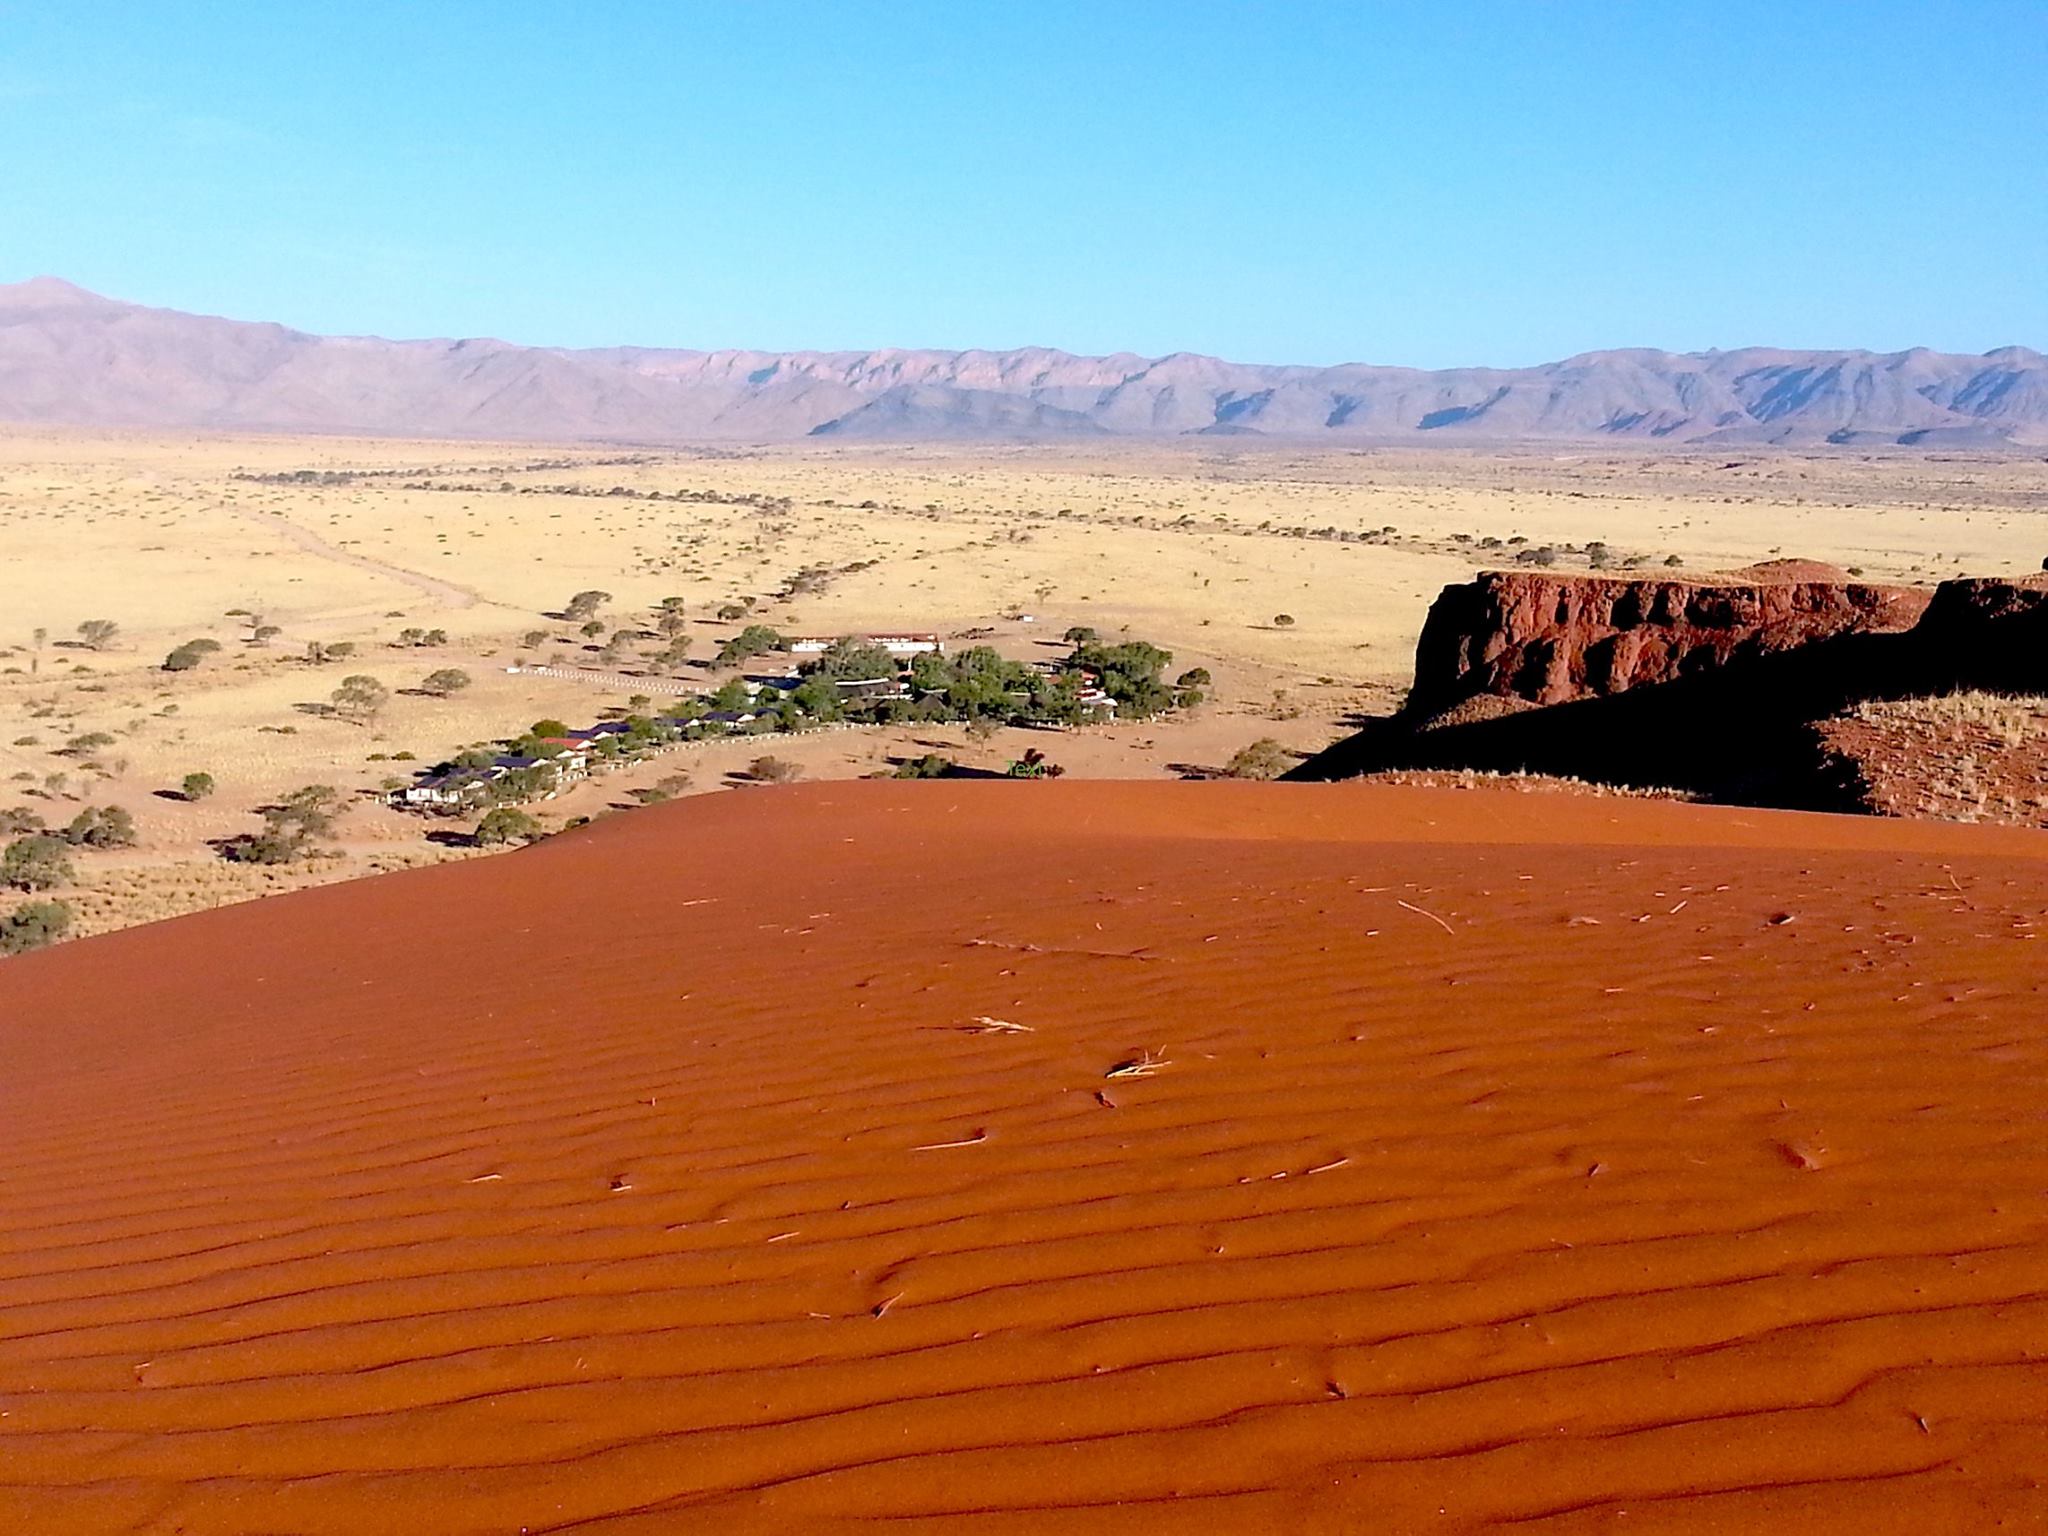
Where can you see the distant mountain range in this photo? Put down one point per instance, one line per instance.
(71, 357)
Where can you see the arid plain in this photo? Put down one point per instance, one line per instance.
(1297, 577)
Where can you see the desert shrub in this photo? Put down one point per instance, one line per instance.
(445, 681)
(1283, 621)
(98, 634)
(1261, 759)
(1194, 677)
(20, 818)
(585, 604)
(36, 863)
(196, 786)
(32, 925)
(930, 766)
(190, 654)
(773, 770)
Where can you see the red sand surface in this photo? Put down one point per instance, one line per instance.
(1560, 1163)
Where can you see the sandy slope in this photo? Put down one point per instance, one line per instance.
(1513, 1161)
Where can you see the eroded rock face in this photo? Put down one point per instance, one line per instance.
(1549, 639)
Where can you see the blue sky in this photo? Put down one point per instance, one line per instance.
(1427, 184)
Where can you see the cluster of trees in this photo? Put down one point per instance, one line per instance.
(754, 640)
(290, 827)
(40, 858)
(414, 638)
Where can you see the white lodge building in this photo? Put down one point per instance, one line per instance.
(895, 645)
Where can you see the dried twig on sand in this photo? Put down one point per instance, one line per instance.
(1447, 928)
(939, 1146)
(984, 1025)
(1144, 1064)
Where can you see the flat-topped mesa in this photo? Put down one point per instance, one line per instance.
(1540, 638)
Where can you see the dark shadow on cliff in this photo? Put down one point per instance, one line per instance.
(1741, 733)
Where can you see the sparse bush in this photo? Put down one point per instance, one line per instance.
(930, 766)
(1194, 677)
(1283, 621)
(32, 925)
(584, 605)
(196, 786)
(773, 770)
(1261, 759)
(98, 634)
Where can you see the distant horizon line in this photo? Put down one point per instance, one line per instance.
(51, 280)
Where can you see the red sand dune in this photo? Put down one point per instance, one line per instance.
(1523, 1160)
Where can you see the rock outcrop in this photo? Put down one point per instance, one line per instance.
(1549, 639)
(1988, 632)
(1718, 687)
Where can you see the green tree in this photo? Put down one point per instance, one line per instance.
(506, 824)
(584, 605)
(35, 863)
(754, 640)
(445, 681)
(360, 697)
(196, 786)
(32, 925)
